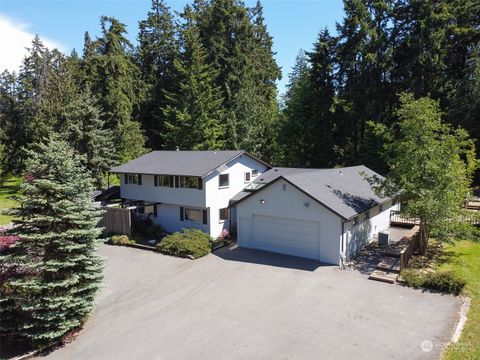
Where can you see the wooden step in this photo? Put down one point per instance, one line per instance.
(383, 276)
(389, 264)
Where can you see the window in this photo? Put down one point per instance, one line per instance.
(254, 173)
(380, 208)
(190, 182)
(284, 187)
(224, 215)
(367, 215)
(194, 215)
(247, 176)
(133, 179)
(223, 181)
(164, 180)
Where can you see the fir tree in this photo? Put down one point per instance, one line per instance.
(84, 130)
(119, 88)
(60, 270)
(158, 47)
(194, 112)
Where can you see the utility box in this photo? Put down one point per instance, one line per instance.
(383, 238)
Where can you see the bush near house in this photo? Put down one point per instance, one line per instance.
(157, 232)
(120, 240)
(188, 243)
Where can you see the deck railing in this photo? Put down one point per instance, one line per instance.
(398, 220)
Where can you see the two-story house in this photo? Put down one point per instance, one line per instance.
(322, 214)
(190, 189)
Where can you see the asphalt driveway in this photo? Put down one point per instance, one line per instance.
(245, 304)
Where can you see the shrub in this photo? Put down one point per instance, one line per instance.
(189, 242)
(444, 281)
(156, 232)
(121, 240)
(412, 279)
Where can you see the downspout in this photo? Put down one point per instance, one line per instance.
(342, 254)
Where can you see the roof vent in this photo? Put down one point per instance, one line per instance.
(177, 148)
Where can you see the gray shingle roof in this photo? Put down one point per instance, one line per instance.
(343, 190)
(188, 163)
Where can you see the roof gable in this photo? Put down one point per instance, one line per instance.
(186, 163)
(344, 191)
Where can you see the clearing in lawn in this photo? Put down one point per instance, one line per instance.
(8, 189)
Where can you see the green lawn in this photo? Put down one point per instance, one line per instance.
(463, 258)
(7, 189)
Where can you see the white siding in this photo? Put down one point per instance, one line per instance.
(217, 199)
(291, 204)
(149, 192)
(211, 197)
(357, 236)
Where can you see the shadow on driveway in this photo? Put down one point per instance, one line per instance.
(234, 253)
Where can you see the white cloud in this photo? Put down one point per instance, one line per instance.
(15, 38)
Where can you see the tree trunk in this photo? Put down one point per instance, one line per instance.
(423, 242)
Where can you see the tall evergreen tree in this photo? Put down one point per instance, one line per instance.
(157, 49)
(294, 133)
(194, 112)
(61, 271)
(321, 115)
(82, 127)
(119, 88)
(239, 49)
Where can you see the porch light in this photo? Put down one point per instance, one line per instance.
(262, 201)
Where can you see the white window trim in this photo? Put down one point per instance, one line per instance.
(223, 187)
(192, 221)
(220, 221)
(254, 175)
(245, 177)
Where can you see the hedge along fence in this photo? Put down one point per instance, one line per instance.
(413, 244)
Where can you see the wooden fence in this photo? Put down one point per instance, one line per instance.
(117, 220)
(412, 238)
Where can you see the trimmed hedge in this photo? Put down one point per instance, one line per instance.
(444, 281)
(188, 243)
(121, 240)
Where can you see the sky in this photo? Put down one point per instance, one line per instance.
(294, 25)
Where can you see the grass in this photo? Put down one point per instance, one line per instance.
(463, 258)
(8, 189)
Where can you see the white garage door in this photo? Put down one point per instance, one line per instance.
(286, 236)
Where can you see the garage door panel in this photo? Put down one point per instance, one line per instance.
(288, 236)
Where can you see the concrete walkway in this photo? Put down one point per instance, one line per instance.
(245, 304)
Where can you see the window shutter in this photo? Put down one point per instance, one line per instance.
(126, 178)
(205, 220)
(155, 211)
(155, 180)
(139, 179)
(181, 213)
(200, 183)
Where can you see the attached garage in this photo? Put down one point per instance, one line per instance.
(286, 236)
(321, 214)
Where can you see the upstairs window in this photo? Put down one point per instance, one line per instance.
(223, 181)
(247, 177)
(190, 182)
(254, 173)
(164, 180)
(135, 179)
